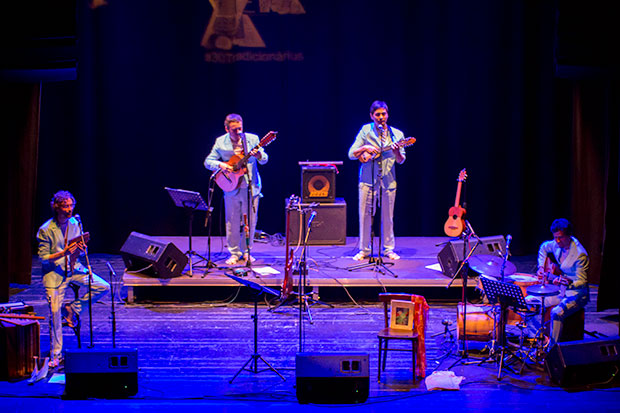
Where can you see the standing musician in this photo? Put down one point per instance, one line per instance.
(573, 262)
(61, 266)
(236, 200)
(367, 149)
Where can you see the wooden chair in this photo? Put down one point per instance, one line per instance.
(412, 336)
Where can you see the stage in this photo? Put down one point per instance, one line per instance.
(189, 349)
(329, 267)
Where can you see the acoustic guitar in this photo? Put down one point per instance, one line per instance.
(403, 143)
(552, 272)
(229, 180)
(454, 225)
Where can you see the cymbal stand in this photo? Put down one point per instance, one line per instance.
(376, 263)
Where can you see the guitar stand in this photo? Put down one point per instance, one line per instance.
(190, 201)
(255, 357)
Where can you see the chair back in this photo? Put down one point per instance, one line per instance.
(386, 299)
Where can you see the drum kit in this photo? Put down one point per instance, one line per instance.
(489, 267)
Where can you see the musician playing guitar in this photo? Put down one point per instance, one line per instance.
(573, 263)
(377, 175)
(225, 148)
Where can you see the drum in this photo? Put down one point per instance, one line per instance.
(522, 280)
(479, 322)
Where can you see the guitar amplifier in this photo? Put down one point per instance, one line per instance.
(329, 227)
(318, 183)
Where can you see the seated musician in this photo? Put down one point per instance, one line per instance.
(571, 275)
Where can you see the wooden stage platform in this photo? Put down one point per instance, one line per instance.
(328, 266)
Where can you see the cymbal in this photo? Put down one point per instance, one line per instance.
(491, 265)
(543, 290)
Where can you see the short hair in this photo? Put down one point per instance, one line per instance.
(562, 224)
(378, 104)
(58, 198)
(232, 117)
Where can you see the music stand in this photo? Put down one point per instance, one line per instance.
(255, 356)
(507, 295)
(190, 201)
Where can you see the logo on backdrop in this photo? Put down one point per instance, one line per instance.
(231, 27)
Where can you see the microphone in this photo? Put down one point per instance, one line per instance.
(508, 240)
(112, 273)
(78, 218)
(312, 216)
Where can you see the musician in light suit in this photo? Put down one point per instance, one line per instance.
(236, 200)
(573, 263)
(61, 266)
(377, 175)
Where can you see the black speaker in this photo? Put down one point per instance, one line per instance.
(150, 256)
(332, 378)
(101, 373)
(329, 227)
(583, 362)
(451, 254)
(318, 183)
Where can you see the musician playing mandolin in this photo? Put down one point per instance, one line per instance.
(230, 146)
(377, 143)
(573, 262)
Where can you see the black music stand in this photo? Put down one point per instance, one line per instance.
(507, 295)
(255, 356)
(190, 201)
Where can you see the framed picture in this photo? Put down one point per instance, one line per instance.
(401, 316)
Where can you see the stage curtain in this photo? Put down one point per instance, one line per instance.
(20, 120)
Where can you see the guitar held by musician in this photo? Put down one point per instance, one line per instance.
(455, 225)
(228, 177)
(374, 153)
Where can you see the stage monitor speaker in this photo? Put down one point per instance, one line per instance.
(318, 183)
(101, 373)
(329, 227)
(583, 362)
(150, 256)
(451, 254)
(331, 378)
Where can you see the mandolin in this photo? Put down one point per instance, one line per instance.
(229, 180)
(454, 225)
(403, 143)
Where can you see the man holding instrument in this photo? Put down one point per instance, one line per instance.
(367, 148)
(61, 242)
(236, 200)
(573, 261)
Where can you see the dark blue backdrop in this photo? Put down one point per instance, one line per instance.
(472, 81)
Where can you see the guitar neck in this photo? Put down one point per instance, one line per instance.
(457, 199)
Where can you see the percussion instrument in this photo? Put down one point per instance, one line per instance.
(522, 280)
(479, 322)
(491, 265)
(543, 290)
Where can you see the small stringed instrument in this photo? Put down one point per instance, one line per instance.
(229, 180)
(403, 143)
(454, 225)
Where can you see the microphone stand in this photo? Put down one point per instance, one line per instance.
(113, 312)
(250, 205)
(376, 263)
(90, 283)
(208, 222)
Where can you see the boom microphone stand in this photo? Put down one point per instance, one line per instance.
(250, 206)
(90, 282)
(209, 223)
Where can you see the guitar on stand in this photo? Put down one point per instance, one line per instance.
(455, 224)
(229, 180)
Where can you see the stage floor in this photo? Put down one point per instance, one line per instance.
(189, 351)
(328, 266)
